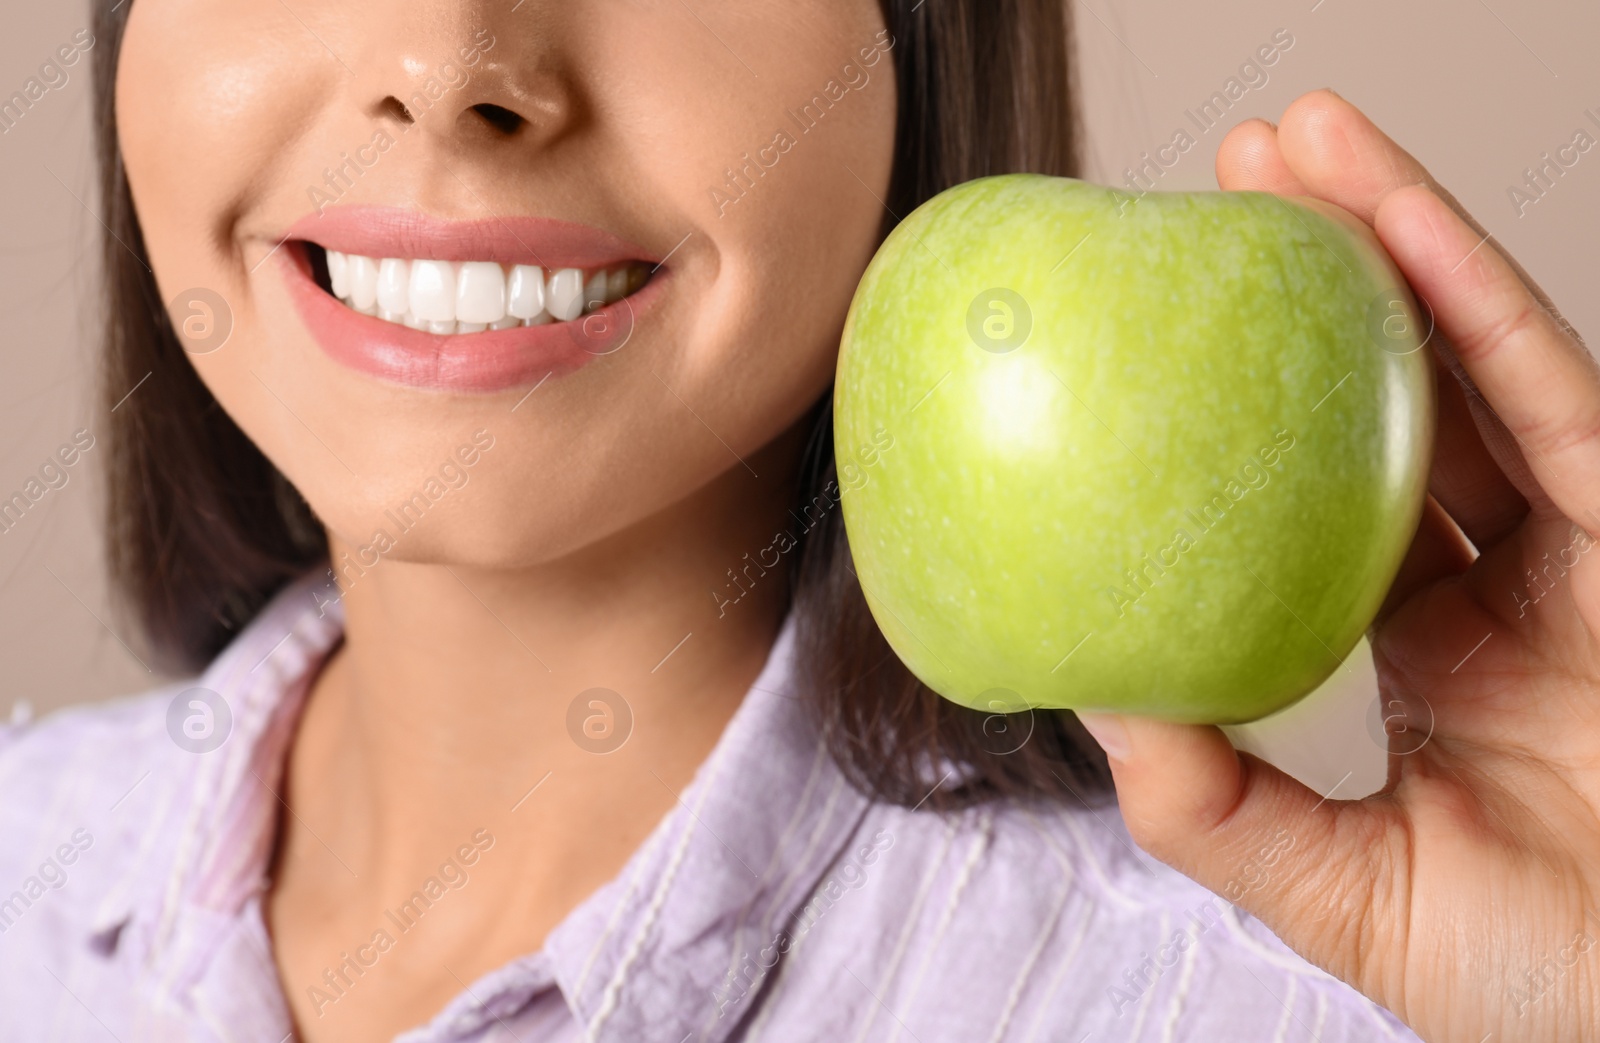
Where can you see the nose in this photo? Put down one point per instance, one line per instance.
(465, 77)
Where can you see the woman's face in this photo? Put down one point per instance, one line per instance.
(705, 178)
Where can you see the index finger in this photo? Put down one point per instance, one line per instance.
(1543, 384)
(1342, 156)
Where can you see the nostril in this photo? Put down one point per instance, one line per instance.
(501, 119)
(395, 109)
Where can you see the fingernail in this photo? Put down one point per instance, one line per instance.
(1110, 733)
(1335, 93)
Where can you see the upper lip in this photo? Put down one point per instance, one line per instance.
(375, 231)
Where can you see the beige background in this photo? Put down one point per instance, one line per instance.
(1477, 91)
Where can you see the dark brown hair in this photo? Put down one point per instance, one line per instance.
(202, 529)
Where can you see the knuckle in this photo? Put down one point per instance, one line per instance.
(1554, 436)
(1481, 343)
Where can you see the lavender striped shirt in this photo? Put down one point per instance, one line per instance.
(774, 904)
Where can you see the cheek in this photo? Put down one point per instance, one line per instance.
(224, 123)
(784, 174)
(210, 99)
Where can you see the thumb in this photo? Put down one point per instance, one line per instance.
(1299, 863)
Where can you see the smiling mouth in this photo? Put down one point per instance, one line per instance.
(448, 298)
(423, 301)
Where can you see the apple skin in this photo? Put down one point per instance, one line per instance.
(1173, 475)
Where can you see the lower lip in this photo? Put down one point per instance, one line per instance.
(494, 360)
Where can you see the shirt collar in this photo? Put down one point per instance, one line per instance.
(224, 806)
(677, 944)
(682, 940)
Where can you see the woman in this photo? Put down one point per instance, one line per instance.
(507, 726)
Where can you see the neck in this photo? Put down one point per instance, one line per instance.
(462, 699)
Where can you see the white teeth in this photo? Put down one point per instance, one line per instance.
(564, 295)
(448, 298)
(594, 292)
(338, 274)
(433, 290)
(480, 293)
(363, 277)
(525, 292)
(394, 277)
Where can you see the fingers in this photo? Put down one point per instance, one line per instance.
(1326, 148)
(1245, 830)
(1358, 163)
(1343, 157)
(1249, 160)
(1540, 382)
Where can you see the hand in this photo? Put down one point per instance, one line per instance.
(1465, 897)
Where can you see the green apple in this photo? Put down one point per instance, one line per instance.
(1159, 455)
